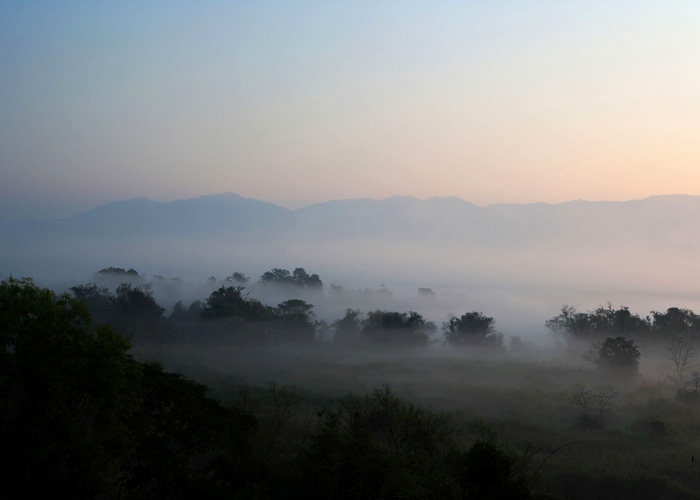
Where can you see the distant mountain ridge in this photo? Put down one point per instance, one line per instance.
(657, 220)
(397, 232)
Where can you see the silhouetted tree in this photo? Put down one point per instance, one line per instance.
(347, 329)
(114, 276)
(65, 389)
(132, 309)
(295, 321)
(473, 328)
(487, 472)
(382, 447)
(618, 353)
(137, 303)
(604, 321)
(680, 352)
(298, 278)
(399, 328)
(137, 314)
(237, 278)
(675, 322)
(594, 406)
(82, 419)
(182, 313)
(233, 302)
(99, 301)
(378, 447)
(185, 445)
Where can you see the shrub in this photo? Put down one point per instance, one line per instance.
(473, 328)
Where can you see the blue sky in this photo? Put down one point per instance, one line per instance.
(298, 102)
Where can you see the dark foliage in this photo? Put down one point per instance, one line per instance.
(675, 322)
(238, 278)
(294, 321)
(233, 302)
(118, 271)
(486, 472)
(347, 329)
(381, 447)
(298, 278)
(619, 353)
(246, 318)
(397, 328)
(472, 328)
(132, 309)
(82, 419)
(604, 321)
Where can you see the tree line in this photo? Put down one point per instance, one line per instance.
(81, 418)
(230, 312)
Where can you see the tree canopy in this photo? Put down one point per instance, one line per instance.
(83, 419)
(397, 327)
(298, 278)
(472, 328)
(602, 321)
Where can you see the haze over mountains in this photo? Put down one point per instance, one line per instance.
(659, 222)
(611, 250)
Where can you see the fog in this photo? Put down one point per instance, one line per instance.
(517, 263)
(520, 289)
(547, 395)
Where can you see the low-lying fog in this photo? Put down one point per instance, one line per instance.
(519, 293)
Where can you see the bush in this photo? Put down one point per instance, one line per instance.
(618, 353)
(397, 328)
(473, 328)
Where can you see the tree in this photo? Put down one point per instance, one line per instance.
(115, 276)
(137, 303)
(400, 328)
(184, 444)
(603, 321)
(99, 301)
(136, 313)
(238, 278)
(66, 389)
(487, 472)
(118, 271)
(233, 302)
(82, 419)
(618, 353)
(593, 405)
(378, 446)
(299, 278)
(675, 322)
(347, 329)
(295, 321)
(473, 328)
(680, 352)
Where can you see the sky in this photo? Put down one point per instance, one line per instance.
(301, 102)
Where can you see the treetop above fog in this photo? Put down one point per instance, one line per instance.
(299, 278)
(609, 321)
(118, 271)
(472, 328)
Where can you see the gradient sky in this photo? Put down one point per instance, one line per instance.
(299, 102)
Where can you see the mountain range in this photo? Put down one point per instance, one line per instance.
(656, 222)
(228, 226)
